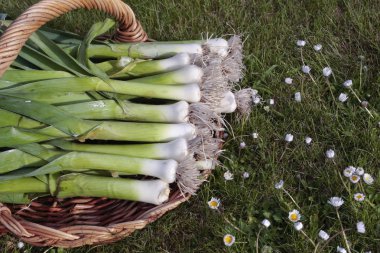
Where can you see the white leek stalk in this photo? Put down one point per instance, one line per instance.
(80, 185)
(227, 103)
(176, 149)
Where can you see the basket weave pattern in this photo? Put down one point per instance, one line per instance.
(77, 221)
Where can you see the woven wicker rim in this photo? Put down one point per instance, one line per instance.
(78, 221)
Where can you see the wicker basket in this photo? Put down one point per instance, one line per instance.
(75, 222)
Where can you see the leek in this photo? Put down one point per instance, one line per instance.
(149, 191)
(176, 149)
(82, 161)
(187, 92)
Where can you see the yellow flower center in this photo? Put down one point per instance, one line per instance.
(354, 178)
(213, 203)
(360, 196)
(293, 216)
(228, 239)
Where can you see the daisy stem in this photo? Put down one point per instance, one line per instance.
(331, 238)
(360, 101)
(343, 233)
(283, 153)
(344, 184)
(290, 196)
(316, 248)
(303, 62)
(311, 241)
(329, 84)
(360, 74)
(257, 240)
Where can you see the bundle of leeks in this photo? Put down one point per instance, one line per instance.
(80, 117)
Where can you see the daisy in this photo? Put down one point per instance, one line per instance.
(255, 135)
(289, 137)
(298, 226)
(308, 140)
(359, 171)
(229, 240)
(297, 97)
(245, 175)
(341, 250)
(306, 69)
(359, 197)
(317, 47)
(347, 83)
(349, 171)
(20, 245)
(330, 153)
(266, 223)
(368, 179)
(228, 175)
(327, 71)
(336, 201)
(343, 97)
(256, 100)
(242, 145)
(301, 43)
(360, 227)
(354, 178)
(323, 235)
(279, 185)
(214, 203)
(271, 101)
(294, 215)
(288, 80)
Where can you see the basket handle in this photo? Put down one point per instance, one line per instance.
(14, 38)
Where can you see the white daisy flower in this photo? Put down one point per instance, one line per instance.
(323, 235)
(354, 178)
(359, 171)
(327, 71)
(343, 97)
(368, 179)
(266, 223)
(256, 100)
(308, 140)
(214, 203)
(279, 184)
(242, 145)
(301, 43)
(341, 250)
(228, 175)
(336, 201)
(349, 171)
(347, 83)
(330, 153)
(298, 226)
(359, 196)
(294, 215)
(289, 137)
(288, 80)
(255, 135)
(271, 101)
(229, 240)
(245, 175)
(317, 47)
(306, 69)
(297, 97)
(360, 227)
(20, 245)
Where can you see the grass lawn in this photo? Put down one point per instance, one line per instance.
(349, 33)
